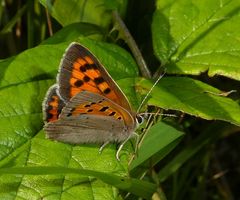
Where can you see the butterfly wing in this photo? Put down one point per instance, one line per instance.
(91, 118)
(81, 71)
(52, 105)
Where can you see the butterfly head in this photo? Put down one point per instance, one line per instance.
(139, 119)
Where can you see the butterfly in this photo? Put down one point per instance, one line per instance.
(86, 105)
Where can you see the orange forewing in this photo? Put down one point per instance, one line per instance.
(88, 79)
(81, 71)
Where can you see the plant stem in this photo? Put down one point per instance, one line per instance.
(132, 45)
(49, 23)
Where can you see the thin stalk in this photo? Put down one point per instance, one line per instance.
(49, 23)
(132, 45)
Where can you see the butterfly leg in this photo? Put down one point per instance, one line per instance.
(124, 142)
(135, 147)
(102, 147)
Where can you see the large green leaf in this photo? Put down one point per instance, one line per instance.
(192, 97)
(195, 36)
(94, 12)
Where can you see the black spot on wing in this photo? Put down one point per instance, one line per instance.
(78, 83)
(83, 69)
(90, 66)
(98, 80)
(103, 108)
(112, 113)
(107, 91)
(87, 66)
(86, 78)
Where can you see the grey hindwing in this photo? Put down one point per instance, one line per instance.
(87, 129)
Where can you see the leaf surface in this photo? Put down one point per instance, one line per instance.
(191, 37)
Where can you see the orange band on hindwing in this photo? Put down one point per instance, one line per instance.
(53, 105)
(96, 108)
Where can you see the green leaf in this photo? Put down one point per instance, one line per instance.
(192, 97)
(94, 12)
(137, 187)
(20, 114)
(158, 138)
(191, 37)
(34, 64)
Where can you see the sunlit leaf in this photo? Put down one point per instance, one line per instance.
(191, 37)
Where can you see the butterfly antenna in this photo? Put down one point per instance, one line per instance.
(158, 114)
(149, 92)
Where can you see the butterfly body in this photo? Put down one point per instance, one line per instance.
(86, 105)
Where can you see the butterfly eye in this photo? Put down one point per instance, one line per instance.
(140, 119)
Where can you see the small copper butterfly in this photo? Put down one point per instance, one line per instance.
(86, 105)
